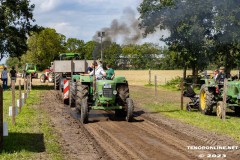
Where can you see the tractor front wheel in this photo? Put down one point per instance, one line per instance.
(43, 78)
(130, 108)
(206, 101)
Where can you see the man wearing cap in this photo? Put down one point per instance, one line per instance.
(221, 76)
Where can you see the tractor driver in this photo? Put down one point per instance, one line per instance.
(99, 72)
(221, 76)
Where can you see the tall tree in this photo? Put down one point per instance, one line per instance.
(15, 25)
(89, 50)
(112, 52)
(189, 23)
(44, 47)
(76, 46)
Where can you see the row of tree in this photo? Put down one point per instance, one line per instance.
(44, 47)
(201, 31)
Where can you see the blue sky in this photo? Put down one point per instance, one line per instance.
(80, 18)
(83, 18)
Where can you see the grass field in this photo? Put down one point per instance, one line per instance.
(32, 137)
(141, 77)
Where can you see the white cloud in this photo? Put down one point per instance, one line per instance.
(65, 29)
(81, 18)
(46, 5)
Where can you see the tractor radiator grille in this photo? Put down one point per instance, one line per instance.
(108, 92)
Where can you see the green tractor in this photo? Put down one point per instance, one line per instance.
(102, 95)
(86, 93)
(211, 95)
(30, 69)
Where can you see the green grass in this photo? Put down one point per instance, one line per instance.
(229, 127)
(32, 137)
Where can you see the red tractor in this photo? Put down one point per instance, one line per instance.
(47, 75)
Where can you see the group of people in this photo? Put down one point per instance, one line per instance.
(4, 77)
(99, 72)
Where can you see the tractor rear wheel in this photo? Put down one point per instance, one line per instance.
(50, 77)
(84, 110)
(73, 94)
(130, 109)
(43, 78)
(81, 93)
(219, 109)
(82, 101)
(206, 101)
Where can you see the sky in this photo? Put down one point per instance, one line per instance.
(83, 18)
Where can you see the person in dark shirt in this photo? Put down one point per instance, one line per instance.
(221, 76)
(13, 75)
(90, 68)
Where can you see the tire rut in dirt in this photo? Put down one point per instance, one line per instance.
(75, 142)
(128, 141)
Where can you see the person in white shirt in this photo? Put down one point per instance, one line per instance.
(5, 78)
(99, 72)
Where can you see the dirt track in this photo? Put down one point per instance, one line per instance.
(150, 136)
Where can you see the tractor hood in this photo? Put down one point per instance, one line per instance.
(106, 91)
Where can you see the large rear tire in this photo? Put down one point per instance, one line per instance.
(43, 78)
(82, 101)
(73, 94)
(84, 111)
(206, 101)
(130, 108)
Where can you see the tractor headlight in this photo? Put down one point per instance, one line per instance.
(114, 92)
(100, 92)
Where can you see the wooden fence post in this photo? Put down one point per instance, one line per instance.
(224, 99)
(155, 83)
(1, 116)
(20, 96)
(13, 102)
(182, 94)
(30, 82)
(149, 80)
(25, 89)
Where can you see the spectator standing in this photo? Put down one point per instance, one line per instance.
(13, 75)
(110, 72)
(5, 78)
